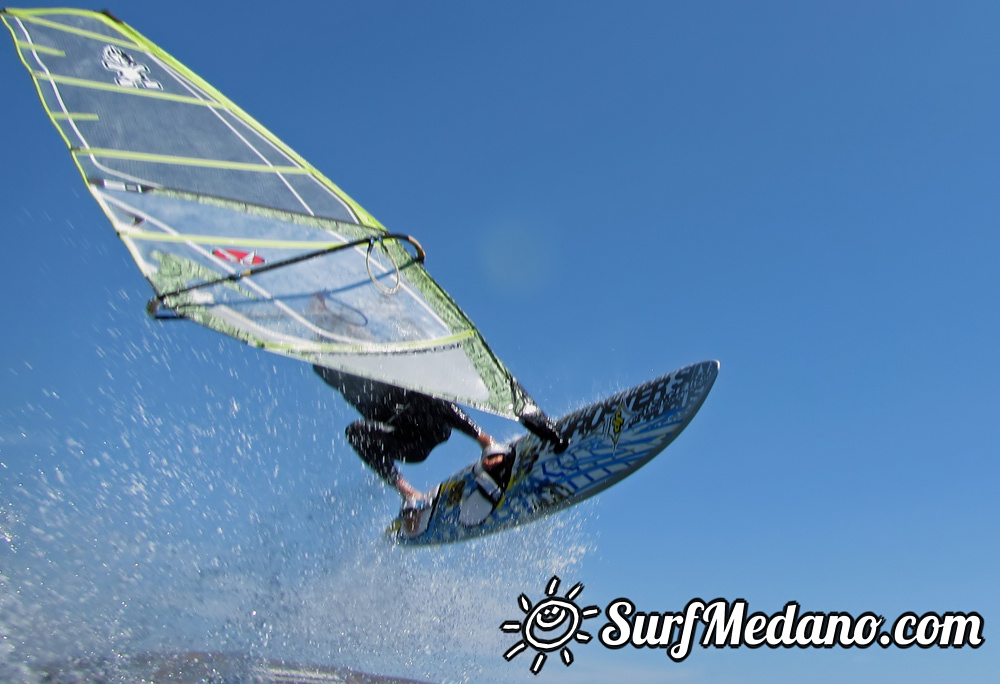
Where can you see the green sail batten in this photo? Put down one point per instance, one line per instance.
(34, 47)
(35, 16)
(185, 161)
(118, 90)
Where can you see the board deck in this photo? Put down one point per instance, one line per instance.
(609, 440)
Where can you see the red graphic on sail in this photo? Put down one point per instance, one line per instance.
(238, 256)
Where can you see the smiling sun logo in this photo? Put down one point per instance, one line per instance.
(550, 625)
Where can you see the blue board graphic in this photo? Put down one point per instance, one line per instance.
(609, 440)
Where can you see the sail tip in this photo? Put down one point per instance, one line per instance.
(112, 17)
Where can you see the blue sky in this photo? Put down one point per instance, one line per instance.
(804, 191)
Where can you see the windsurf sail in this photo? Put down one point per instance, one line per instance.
(236, 231)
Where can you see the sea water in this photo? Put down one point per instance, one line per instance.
(181, 492)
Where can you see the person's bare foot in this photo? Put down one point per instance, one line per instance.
(493, 454)
(408, 491)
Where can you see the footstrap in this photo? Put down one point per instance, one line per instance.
(486, 483)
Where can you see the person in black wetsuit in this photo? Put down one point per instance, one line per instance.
(403, 425)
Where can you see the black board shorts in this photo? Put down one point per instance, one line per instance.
(399, 424)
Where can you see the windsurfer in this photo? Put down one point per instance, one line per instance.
(403, 425)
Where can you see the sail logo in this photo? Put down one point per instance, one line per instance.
(238, 256)
(550, 625)
(130, 74)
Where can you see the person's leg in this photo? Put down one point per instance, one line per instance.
(376, 444)
(493, 472)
